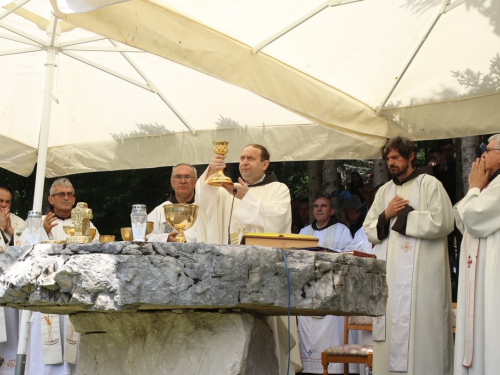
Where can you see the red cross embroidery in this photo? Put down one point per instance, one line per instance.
(406, 247)
(469, 262)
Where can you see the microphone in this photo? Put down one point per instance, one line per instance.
(230, 217)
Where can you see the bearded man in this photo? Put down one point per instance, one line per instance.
(409, 221)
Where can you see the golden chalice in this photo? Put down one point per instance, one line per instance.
(181, 217)
(127, 234)
(220, 148)
(69, 229)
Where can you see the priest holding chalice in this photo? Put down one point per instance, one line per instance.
(256, 203)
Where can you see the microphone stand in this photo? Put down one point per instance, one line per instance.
(230, 217)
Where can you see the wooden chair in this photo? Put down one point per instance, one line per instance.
(350, 353)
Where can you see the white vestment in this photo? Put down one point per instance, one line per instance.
(264, 209)
(430, 346)
(478, 295)
(360, 242)
(8, 333)
(194, 234)
(336, 237)
(35, 364)
(316, 333)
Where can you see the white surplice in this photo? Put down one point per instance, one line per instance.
(18, 225)
(430, 345)
(55, 353)
(264, 209)
(336, 237)
(478, 219)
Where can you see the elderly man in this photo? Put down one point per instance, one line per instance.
(53, 358)
(409, 221)
(183, 180)
(261, 204)
(11, 226)
(318, 333)
(477, 218)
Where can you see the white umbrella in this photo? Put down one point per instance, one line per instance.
(371, 69)
(105, 106)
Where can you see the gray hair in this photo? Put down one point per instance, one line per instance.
(496, 138)
(189, 165)
(63, 181)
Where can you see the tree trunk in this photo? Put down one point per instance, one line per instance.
(315, 175)
(380, 172)
(331, 182)
(469, 154)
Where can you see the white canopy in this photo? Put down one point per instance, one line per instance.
(109, 105)
(370, 68)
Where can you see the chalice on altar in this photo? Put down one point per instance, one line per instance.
(220, 148)
(181, 217)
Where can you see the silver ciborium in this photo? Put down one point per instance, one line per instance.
(180, 217)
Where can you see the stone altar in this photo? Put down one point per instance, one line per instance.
(177, 308)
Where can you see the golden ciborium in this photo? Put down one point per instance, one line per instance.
(181, 217)
(220, 148)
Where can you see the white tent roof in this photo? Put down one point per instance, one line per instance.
(371, 68)
(101, 122)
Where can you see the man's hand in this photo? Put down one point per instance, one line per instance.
(48, 223)
(216, 164)
(172, 236)
(395, 207)
(241, 188)
(5, 224)
(478, 175)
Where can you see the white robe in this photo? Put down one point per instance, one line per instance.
(316, 333)
(8, 349)
(430, 331)
(194, 234)
(477, 216)
(338, 236)
(360, 242)
(263, 209)
(35, 361)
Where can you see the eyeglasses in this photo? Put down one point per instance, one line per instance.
(62, 195)
(179, 177)
(491, 149)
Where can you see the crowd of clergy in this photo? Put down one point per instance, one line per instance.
(406, 222)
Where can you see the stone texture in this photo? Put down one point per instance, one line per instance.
(170, 343)
(128, 276)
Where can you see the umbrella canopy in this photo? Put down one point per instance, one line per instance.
(108, 106)
(370, 69)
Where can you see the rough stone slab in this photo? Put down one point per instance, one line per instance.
(168, 343)
(132, 276)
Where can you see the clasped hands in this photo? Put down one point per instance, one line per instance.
(478, 176)
(5, 223)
